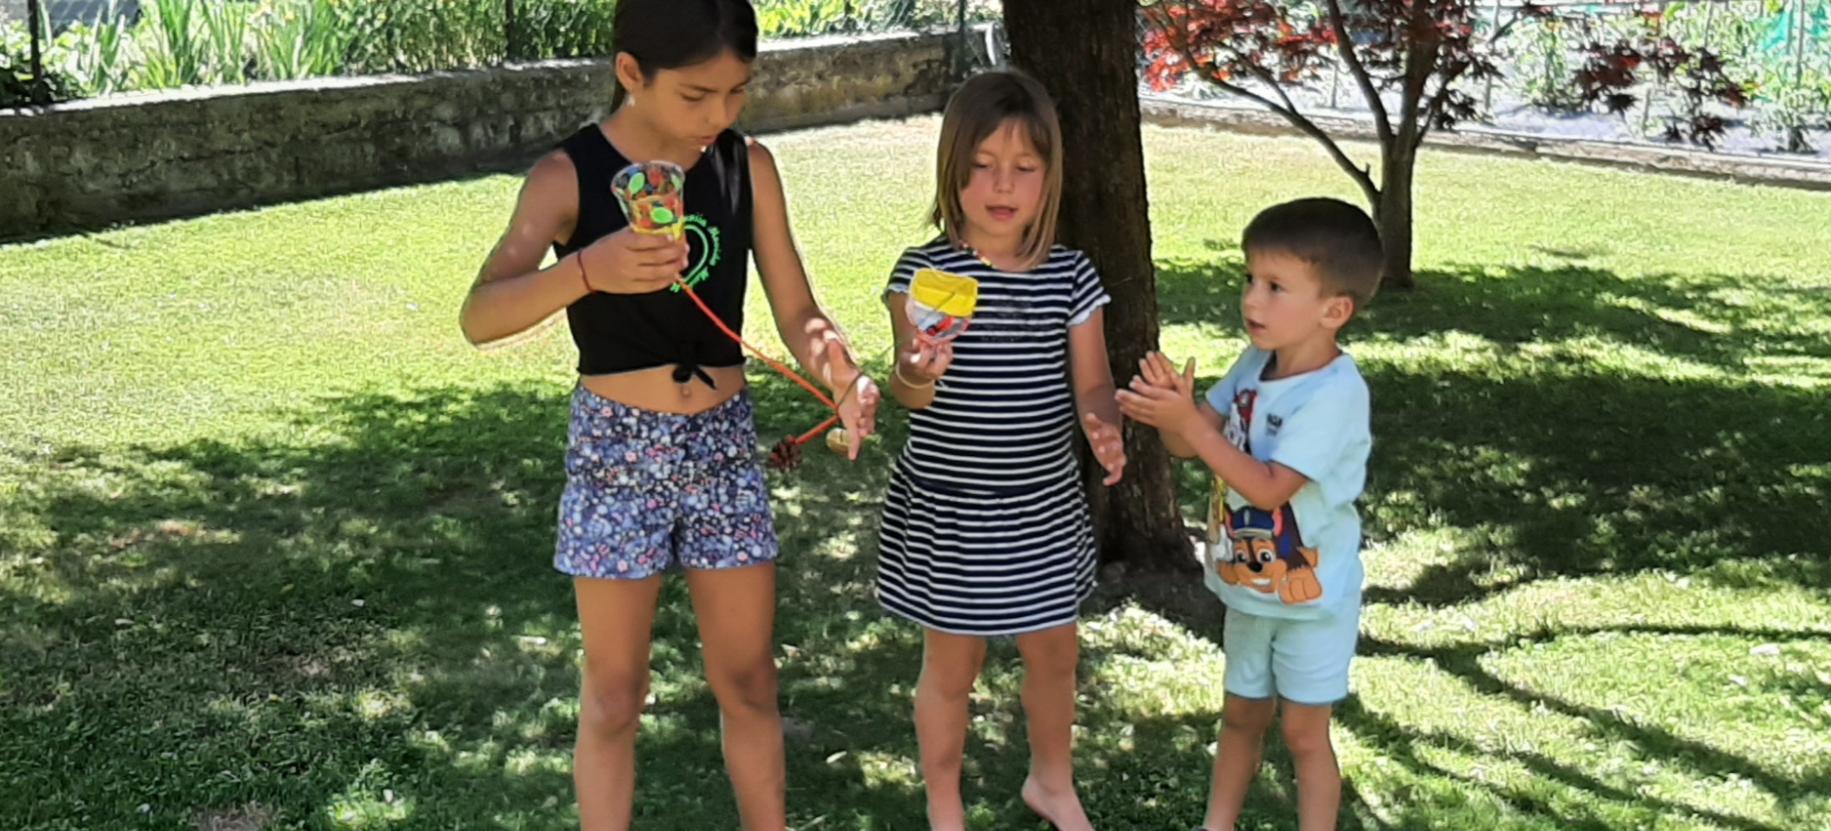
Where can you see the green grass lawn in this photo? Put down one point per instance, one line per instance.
(274, 541)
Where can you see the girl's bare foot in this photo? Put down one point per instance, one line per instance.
(1062, 808)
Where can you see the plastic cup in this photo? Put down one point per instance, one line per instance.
(653, 196)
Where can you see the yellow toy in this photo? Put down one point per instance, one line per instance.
(941, 305)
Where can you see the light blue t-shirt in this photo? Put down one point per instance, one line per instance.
(1301, 561)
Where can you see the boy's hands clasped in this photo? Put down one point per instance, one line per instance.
(1162, 397)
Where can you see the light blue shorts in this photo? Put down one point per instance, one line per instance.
(1300, 661)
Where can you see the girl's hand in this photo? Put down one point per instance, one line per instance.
(1168, 404)
(857, 401)
(630, 263)
(923, 363)
(1108, 447)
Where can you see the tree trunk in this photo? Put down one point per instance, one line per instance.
(1085, 53)
(509, 35)
(41, 90)
(1394, 214)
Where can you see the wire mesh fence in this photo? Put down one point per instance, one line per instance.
(1779, 51)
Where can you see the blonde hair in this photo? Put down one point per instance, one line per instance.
(981, 107)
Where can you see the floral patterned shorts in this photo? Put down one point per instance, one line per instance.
(645, 490)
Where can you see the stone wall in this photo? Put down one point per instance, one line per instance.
(90, 164)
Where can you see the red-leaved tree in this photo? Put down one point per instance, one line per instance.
(1412, 61)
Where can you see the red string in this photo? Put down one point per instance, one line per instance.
(790, 374)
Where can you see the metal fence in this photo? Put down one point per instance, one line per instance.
(1780, 48)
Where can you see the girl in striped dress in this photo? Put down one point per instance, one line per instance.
(985, 529)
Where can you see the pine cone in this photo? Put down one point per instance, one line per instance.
(786, 455)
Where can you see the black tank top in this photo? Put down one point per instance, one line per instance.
(625, 332)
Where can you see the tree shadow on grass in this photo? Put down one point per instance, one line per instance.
(1399, 757)
(1794, 792)
(1573, 463)
(353, 620)
(359, 619)
(1567, 463)
(1725, 321)
(184, 626)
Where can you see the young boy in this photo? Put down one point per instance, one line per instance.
(1286, 433)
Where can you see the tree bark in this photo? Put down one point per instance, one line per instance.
(509, 35)
(1393, 214)
(1085, 53)
(34, 17)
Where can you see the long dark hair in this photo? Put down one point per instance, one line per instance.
(670, 34)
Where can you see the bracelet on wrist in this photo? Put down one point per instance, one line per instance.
(915, 385)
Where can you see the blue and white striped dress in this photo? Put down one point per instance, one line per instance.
(985, 528)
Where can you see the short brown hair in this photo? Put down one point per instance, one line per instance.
(980, 108)
(1336, 238)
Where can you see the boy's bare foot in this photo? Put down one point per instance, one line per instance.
(1062, 808)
